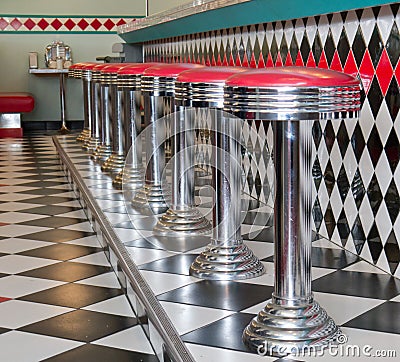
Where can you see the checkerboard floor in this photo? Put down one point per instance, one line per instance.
(59, 297)
(53, 274)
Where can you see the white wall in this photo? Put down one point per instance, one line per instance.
(156, 6)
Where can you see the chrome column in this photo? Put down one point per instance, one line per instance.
(75, 71)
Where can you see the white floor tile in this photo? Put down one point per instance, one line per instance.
(28, 347)
(86, 241)
(118, 305)
(95, 259)
(15, 188)
(16, 245)
(78, 214)
(132, 339)
(142, 255)
(164, 282)
(14, 230)
(187, 317)
(15, 286)
(84, 226)
(131, 234)
(17, 313)
(364, 267)
(107, 280)
(17, 217)
(16, 197)
(16, 206)
(13, 264)
(266, 279)
(260, 249)
(324, 243)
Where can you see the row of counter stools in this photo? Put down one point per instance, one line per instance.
(293, 98)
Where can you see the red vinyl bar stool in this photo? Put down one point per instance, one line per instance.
(158, 88)
(75, 71)
(116, 161)
(293, 98)
(103, 150)
(129, 82)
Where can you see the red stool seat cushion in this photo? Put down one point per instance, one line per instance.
(16, 102)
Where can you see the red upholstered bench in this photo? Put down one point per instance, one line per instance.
(11, 106)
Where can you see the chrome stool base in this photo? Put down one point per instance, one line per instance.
(90, 144)
(114, 164)
(101, 153)
(130, 178)
(188, 222)
(226, 263)
(84, 135)
(309, 325)
(151, 199)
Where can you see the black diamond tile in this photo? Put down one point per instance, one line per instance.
(395, 8)
(392, 201)
(392, 98)
(81, 325)
(342, 139)
(358, 284)
(224, 333)
(357, 188)
(329, 47)
(358, 142)
(317, 173)
(51, 210)
(53, 221)
(329, 178)
(95, 353)
(50, 200)
(42, 191)
(343, 183)
(219, 294)
(274, 49)
(329, 220)
(317, 214)
(67, 271)
(283, 49)
(317, 133)
(357, 232)
(343, 227)
(392, 150)
(392, 252)
(383, 318)
(317, 47)
(393, 45)
(57, 235)
(305, 48)
(374, 243)
(294, 49)
(374, 145)
(375, 46)
(44, 183)
(177, 264)
(374, 194)
(3, 275)
(73, 295)
(358, 46)
(375, 96)
(4, 330)
(343, 47)
(266, 234)
(61, 251)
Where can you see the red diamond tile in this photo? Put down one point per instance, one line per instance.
(270, 62)
(213, 61)
(278, 61)
(322, 61)
(245, 62)
(261, 63)
(253, 63)
(237, 62)
(83, 24)
(4, 299)
(350, 67)
(397, 72)
(29, 24)
(95, 24)
(3, 224)
(121, 22)
(311, 61)
(288, 61)
(225, 61)
(336, 65)
(109, 24)
(366, 71)
(299, 60)
(56, 24)
(43, 24)
(219, 62)
(3, 23)
(70, 24)
(384, 72)
(16, 24)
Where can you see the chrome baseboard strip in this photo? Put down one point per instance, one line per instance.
(158, 319)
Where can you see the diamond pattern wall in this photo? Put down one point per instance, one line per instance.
(356, 169)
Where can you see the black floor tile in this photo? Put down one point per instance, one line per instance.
(3, 275)
(50, 200)
(4, 330)
(177, 264)
(219, 294)
(37, 176)
(81, 325)
(224, 333)
(140, 243)
(67, 271)
(42, 191)
(383, 318)
(328, 258)
(258, 218)
(53, 221)
(73, 295)
(95, 353)
(358, 284)
(266, 235)
(61, 251)
(51, 210)
(57, 235)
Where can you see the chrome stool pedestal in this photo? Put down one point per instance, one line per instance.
(129, 82)
(115, 162)
(158, 87)
(293, 98)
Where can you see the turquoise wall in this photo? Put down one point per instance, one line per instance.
(15, 46)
